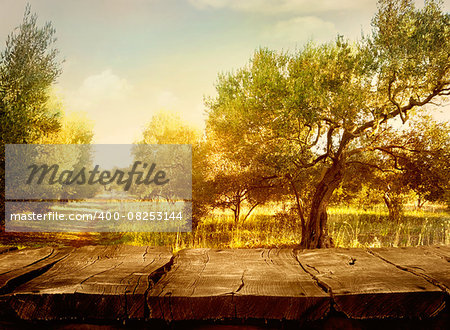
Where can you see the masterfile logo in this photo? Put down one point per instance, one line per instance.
(69, 177)
(36, 172)
(98, 188)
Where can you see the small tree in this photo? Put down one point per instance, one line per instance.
(414, 160)
(28, 68)
(426, 170)
(236, 189)
(166, 127)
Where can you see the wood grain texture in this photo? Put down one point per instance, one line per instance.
(431, 263)
(4, 249)
(19, 266)
(221, 284)
(107, 283)
(94, 282)
(364, 286)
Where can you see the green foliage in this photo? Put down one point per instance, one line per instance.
(28, 68)
(166, 127)
(410, 49)
(76, 128)
(414, 161)
(324, 105)
(285, 102)
(426, 170)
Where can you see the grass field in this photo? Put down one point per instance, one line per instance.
(349, 227)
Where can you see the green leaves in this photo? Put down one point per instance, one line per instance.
(166, 127)
(291, 114)
(411, 48)
(28, 68)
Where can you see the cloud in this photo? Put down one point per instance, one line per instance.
(167, 99)
(106, 98)
(102, 87)
(301, 29)
(280, 6)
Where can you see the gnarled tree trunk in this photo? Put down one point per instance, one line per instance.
(316, 233)
(394, 205)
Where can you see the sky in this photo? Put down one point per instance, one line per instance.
(124, 60)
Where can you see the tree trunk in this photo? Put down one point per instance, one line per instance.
(394, 205)
(316, 233)
(250, 211)
(420, 202)
(300, 208)
(237, 213)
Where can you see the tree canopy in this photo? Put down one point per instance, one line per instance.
(28, 68)
(323, 106)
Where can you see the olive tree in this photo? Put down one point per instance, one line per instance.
(323, 106)
(412, 162)
(28, 68)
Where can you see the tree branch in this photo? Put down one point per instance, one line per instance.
(319, 129)
(440, 87)
(250, 211)
(301, 164)
(370, 165)
(330, 141)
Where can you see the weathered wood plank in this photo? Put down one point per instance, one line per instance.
(432, 263)
(93, 282)
(220, 284)
(19, 266)
(4, 249)
(442, 249)
(363, 286)
(124, 282)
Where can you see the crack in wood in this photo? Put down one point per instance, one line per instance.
(267, 257)
(140, 276)
(322, 285)
(15, 282)
(90, 263)
(426, 277)
(313, 268)
(145, 253)
(42, 259)
(153, 279)
(33, 263)
(242, 283)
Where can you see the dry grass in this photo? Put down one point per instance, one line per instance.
(349, 227)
